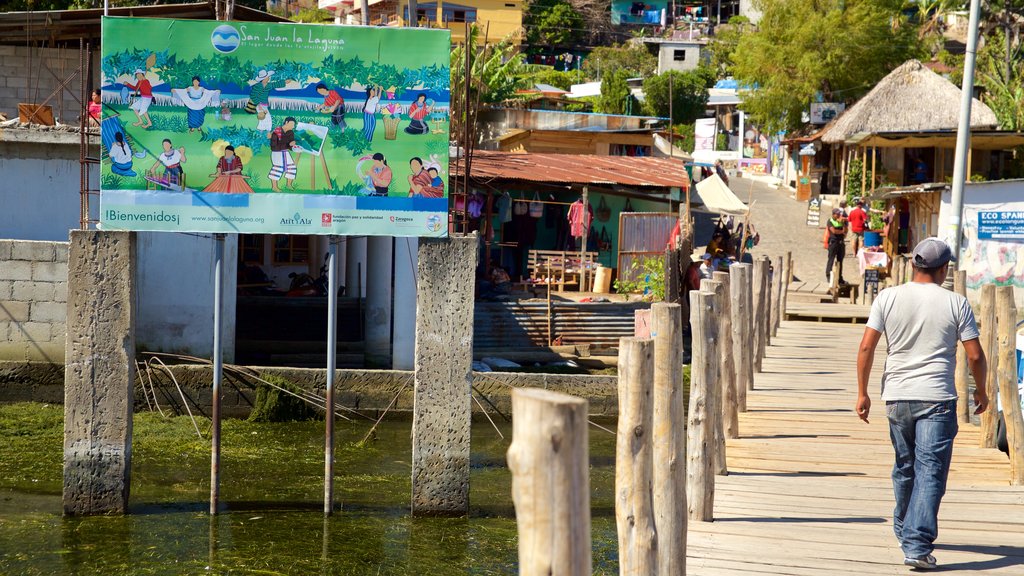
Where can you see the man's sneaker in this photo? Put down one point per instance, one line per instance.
(926, 562)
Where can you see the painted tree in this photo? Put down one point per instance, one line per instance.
(803, 49)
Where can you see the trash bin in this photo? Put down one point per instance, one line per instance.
(872, 239)
(602, 280)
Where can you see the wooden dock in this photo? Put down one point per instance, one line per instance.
(809, 490)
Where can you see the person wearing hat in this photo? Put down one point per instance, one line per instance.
(260, 92)
(707, 267)
(857, 219)
(922, 323)
(836, 226)
(144, 89)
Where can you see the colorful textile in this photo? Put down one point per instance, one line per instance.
(578, 219)
(282, 165)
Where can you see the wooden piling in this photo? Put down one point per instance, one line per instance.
(550, 469)
(760, 274)
(743, 349)
(700, 478)
(776, 312)
(634, 514)
(669, 438)
(963, 404)
(715, 402)
(787, 279)
(727, 368)
(1007, 314)
(766, 320)
(989, 344)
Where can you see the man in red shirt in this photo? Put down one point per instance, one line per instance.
(145, 97)
(858, 220)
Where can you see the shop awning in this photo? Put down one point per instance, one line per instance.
(718, 198)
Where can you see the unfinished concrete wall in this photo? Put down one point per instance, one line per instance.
(33, 296)
(442, 413)
(40, 184)
(29, 75)
(100, 372)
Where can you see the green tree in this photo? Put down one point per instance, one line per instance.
(689, 94)
(804, 48)
(634, 59)
(615, 97)
(726, 38)
(552, 23)
(538, 74)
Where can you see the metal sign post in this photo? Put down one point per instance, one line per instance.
(218, 369)
(332, 353)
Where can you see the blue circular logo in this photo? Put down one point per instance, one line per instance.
(225, 39)
(434, 223)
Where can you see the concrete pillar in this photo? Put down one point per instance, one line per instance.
(444, 354)
(379, 273)
(355, 268)
(404, 337)
(99, 376)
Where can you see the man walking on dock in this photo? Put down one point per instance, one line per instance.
(922, 323)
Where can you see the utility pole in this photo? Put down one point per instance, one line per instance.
(963, 138)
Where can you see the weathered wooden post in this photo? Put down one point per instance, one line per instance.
(766, 321)
(743, 349)
(442, 407)
(673, 276)
(550, 467)
(730, 412)
(669, 439)
(700, 458)
(1007, 313)
(777, 287)
(715, 400)
(99, 372)
(963, 404)
(787, 279)
(758, 291)
(634, 466)
(989, 344)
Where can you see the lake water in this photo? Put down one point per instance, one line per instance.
(272, 490)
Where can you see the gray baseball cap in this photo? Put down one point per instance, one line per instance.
(932, 253)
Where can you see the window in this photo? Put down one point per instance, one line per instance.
(507, 5)
(679, 55)
(290, 249)
(250, 248)
(422, 15)
(459, 16)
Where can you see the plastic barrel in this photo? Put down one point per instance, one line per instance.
(603, 280)
(872, 239)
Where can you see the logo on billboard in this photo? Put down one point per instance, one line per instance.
(326, 219)
(434, 223)
(225, 39)
(296, 220)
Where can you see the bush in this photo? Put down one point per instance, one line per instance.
(649, 279)
(238, 136)
(351, 140)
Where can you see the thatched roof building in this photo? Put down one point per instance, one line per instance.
(911, 98)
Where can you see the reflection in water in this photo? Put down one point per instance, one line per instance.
(272, 490)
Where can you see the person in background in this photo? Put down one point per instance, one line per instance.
(707, 268)
(922, 323)
(95, 108)
(836, 226)
(858, 219)
(720, 170)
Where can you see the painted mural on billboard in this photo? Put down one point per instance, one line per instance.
(274, 128)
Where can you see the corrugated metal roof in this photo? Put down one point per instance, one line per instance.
(637, 171)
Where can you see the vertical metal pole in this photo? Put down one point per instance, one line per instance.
(332, 352)
(218, 369)
(583, 241)
(963, 136)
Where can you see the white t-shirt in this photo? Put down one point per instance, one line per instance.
(922, 323)
(371, 105)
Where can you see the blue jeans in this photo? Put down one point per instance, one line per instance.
(922, 434)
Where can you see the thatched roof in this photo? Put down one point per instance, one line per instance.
(911, 98)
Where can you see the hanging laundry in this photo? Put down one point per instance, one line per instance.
(578, 219)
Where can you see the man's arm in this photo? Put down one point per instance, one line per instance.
(865, 358)
(979, 369)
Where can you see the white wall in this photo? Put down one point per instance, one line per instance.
(175, 290)
(666, 57)
(987, 261)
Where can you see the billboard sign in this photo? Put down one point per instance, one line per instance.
(256, 127)
(1000, 225)
(825, 112)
